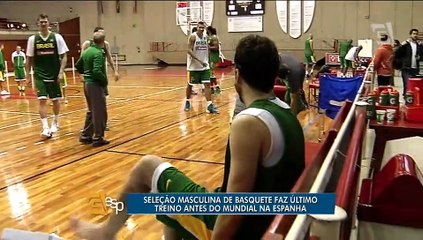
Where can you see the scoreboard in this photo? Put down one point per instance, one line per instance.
(244, 8)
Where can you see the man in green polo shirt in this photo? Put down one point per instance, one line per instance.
(92, 65)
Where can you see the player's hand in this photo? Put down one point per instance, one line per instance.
(60, 77)
(116, 76)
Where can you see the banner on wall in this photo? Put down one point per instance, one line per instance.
(295, 17)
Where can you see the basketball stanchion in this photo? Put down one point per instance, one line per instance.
(73, 70)
(6, 76)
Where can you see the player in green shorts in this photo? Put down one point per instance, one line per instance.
(19, 60)
(3, 91)
(198, 67)
(47, 54)
(252, 164)
(344, 47)
(309, 55)
(214, 57)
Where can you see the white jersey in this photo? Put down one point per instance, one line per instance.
(350, 54)
(201, 51)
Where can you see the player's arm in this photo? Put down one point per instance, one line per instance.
(214, 44)
(245, 154)
(63, 53)
(30, 55)
(13, 58)
(191, 42)
(109, 57)
(84, 46)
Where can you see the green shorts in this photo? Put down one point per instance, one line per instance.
(48, 90)
(214, 58)
(168, 179)
(199, 77)
(308, 59)
(343, 62)
(349, 64)
(19, 74)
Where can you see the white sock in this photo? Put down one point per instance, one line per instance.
(56, 119)
(209, 102)
(44, 122)
(188, 100)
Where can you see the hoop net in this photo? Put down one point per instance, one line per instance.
(186, 16)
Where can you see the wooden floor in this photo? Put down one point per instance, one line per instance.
(43, 183)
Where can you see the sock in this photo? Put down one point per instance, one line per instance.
(209, 103)
(56, 119)
(44, 122)
(188, 100)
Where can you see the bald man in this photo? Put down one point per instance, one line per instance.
(92, 65)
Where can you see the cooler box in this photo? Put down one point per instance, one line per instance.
(416, 82)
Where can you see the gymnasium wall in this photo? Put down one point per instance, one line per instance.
(131, 33)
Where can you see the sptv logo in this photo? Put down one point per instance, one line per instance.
(295, 16)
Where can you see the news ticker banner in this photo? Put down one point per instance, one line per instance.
(230, 203)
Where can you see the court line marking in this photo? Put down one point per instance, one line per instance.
(109, 147)
(109, 103)
(20, 113)
(167, 157)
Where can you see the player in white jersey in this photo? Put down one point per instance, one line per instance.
(198, 66)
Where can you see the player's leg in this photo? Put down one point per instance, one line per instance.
(193, 78)
(205, 79)
(64, 86)
(307, 64)
(3, 91)
(214, 58)
(151, 174)
(106, 93)
(42, 95)
(55, 94)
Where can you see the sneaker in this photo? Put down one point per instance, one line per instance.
(85, 140)
(66, 102)
(212, 109)
(217, 91)
(46, 133)
(54, 127)
(107, 127)
(187, 106)
(99, 142)
(4, 92)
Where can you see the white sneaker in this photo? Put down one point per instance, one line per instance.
(46, 133)
(54, 127)
(4, 92)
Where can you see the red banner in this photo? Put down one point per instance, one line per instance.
(332, 59)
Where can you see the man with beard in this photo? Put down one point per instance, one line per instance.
(271, 161)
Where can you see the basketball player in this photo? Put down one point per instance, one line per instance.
(19, 60)
(2, 72)
(291, 71)
(309, 55)
(214, 57)
(198, 66)
(352, 59)
(344, 47)
(47, 54)
(248, 167)
(107, 52)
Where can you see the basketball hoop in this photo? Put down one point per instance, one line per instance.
(188, 17)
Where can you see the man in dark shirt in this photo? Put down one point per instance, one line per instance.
(292, 71)
(92, 65)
